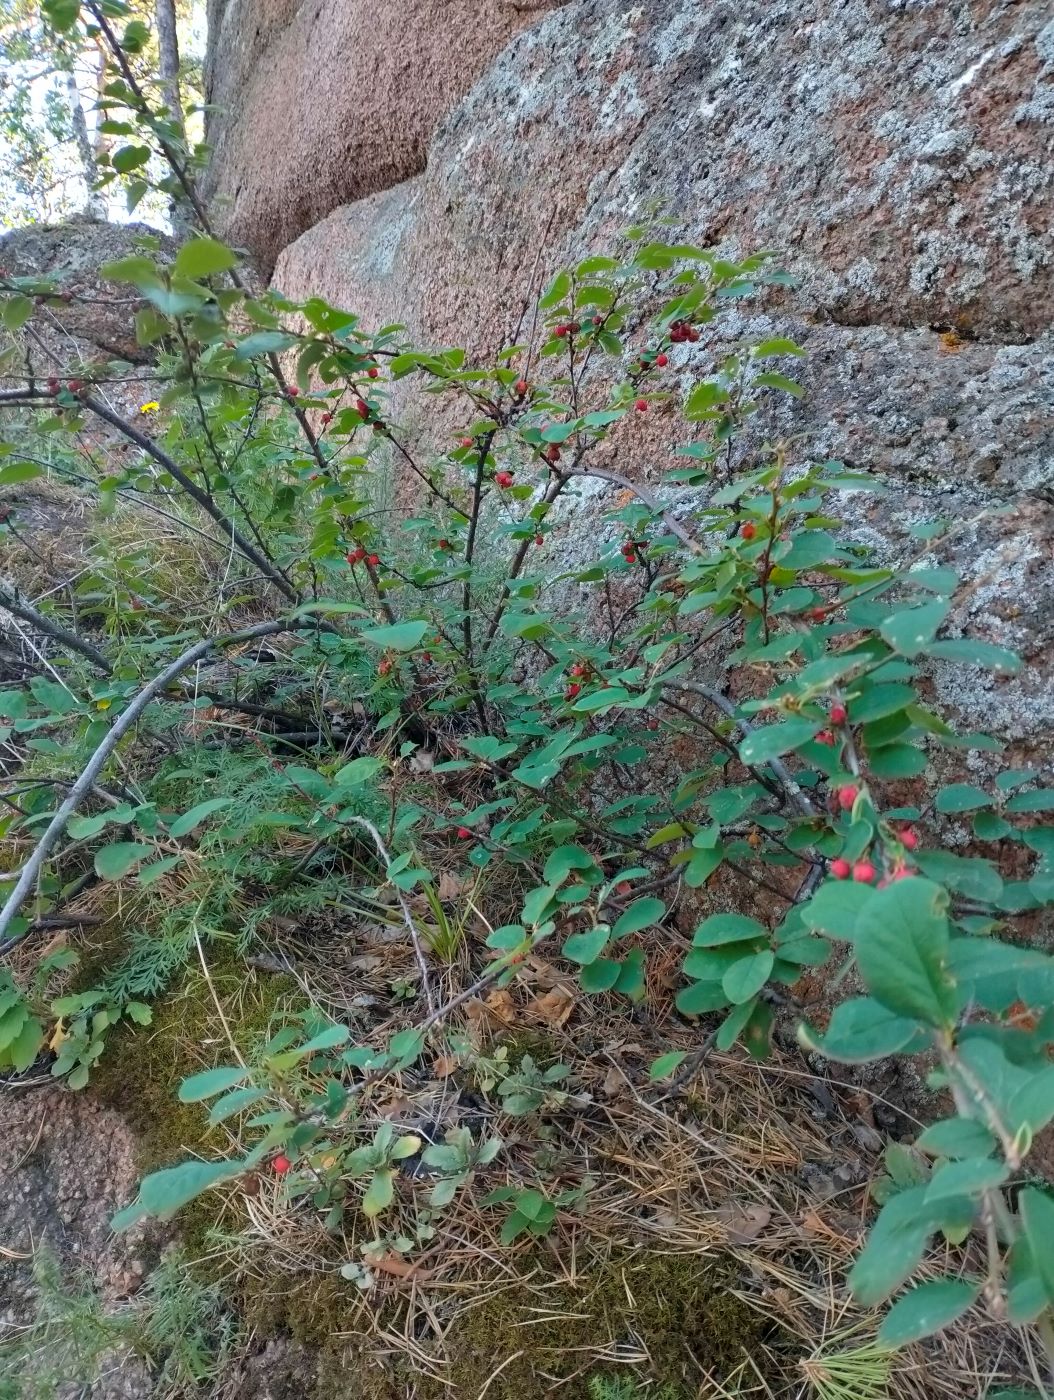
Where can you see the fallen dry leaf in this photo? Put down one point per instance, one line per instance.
(443, 1065)
(396, 1266)
(499, 1007)
(743, 1223)
(450, 886)
(614, 1082)
(553, 1008)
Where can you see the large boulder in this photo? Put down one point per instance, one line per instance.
(325, 101)
(899, 155)
(97, 320)
(899, 158)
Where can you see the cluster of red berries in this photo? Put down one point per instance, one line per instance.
(358, 555)
(569, 328)
(681, 331)
(862, 871)
(504, 479)
(645, 364)
(632, 548)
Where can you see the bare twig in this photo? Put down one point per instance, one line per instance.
(83, 785)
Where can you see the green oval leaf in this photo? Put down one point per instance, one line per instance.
(926, 1309)
(641, 914)
(210, 1082)
(402, 636)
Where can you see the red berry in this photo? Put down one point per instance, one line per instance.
(825, 737)
(503, 479)
(373, 371)
(662, 359)
(839, 714)
(293, 391)
(465, 442)
(539, 540)
(520, 387)
(748, 531)
(628, 554)
(362, 408)
(623, 888)
(463, 833)
(909, 838)
(444, 544)
(561, 331)
(327, 418)
(817, 614)
(385, 667)
(75, 386)
(572, 690)
(641, 405)
(281, 1164)
(847, 795)
(578, 669)
(864, 872)
(53, 386)
(598, 320)
(841, 869)
(574, 327)
(693, 334)
(356, 556)
(373, 559)
(552, 453)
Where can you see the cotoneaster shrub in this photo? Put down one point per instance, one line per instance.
(275, 428)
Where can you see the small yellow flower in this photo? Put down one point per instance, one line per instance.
(103, 704)
(151, 407)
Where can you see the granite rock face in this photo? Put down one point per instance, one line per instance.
(99, 315)
(324, 101)
(897, 157)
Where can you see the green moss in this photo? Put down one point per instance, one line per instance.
(142, 1066)
(679, 1305)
